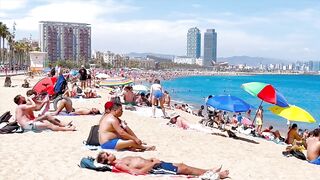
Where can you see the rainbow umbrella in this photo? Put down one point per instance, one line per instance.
(293, 113)
(115, 82)
(266, 92)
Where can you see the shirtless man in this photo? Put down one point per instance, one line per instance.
(70, 110)
(39, 104)
(139, 166)
(115, 134)
(27, 120)
(293, 136)
(313, 147)
(128, 95)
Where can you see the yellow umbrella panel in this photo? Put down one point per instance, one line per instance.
(293, 113)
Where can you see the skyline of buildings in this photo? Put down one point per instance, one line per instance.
(65, 40)
(209, 47)
(194, 43)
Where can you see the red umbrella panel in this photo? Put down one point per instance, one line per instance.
(45, 85)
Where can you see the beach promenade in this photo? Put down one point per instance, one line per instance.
(56, 155)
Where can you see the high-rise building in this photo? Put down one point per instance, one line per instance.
(65, 40)
(194, 43)
(210, 47)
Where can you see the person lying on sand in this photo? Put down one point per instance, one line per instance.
(178, 120)
(73, 111)
(116, 134)
(313, 147)
(25, 117)
(139, 166)
(39, 103)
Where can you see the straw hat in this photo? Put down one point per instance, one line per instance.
(173, 115)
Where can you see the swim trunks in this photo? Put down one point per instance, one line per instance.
(158, 94)
(33, 126)
(316, 161)
(164, 168)
(110, 144)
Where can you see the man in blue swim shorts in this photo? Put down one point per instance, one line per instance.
(313, 147)
(138, 166)
(115, 134)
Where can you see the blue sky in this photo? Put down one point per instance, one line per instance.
(286, 29)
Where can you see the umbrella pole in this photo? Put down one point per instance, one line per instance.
(254, 119)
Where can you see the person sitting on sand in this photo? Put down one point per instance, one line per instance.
(293, 136)
(272, 134)
(167, 99)
(142, 100)
(313, 147)
(71, 91)
(63, 103)
(89, 93)
(25, 117)
(199, 112)
(39, 103)
(179, 121)
(139, 166)
(116, 134)
(128, 96)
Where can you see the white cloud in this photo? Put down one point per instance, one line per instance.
(12, 4)
(235, 35)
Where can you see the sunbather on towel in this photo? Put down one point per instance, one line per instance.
(313, 147)
(27, 120)
(115, 134)
(179, 121)
(139, 166)
(74, 111)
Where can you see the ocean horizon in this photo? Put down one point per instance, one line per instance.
(299, 90)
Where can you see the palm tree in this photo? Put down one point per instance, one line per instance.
(4, 33)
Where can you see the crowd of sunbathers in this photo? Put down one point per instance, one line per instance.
(114, 133)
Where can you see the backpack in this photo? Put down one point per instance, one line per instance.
(5, 117)
(88, 163)
(93, 138)
(298, 154)
(11, 127)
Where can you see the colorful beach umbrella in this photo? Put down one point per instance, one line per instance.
(45, 85)
(119, 81)
(266, 92)
(293, 113)
(228, 103)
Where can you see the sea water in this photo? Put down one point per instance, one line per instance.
(299, 90)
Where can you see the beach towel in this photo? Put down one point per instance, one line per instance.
(90, 163)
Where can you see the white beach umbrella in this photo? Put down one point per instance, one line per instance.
(140, 87)
(102, 76)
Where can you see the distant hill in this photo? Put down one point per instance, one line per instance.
(150, 55)
(251, 61)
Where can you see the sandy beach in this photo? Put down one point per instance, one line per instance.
(56, 155)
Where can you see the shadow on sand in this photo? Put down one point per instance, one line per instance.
(234, 136)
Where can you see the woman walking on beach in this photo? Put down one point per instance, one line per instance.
(157, 96)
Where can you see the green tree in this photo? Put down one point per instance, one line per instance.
(4, 33)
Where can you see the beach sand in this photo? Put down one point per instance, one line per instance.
(56, 155)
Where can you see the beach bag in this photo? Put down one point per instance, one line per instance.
(5, 117)
(93, 138)
(89, 163)
(298, 154)
(11, 127)
(61, 85)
